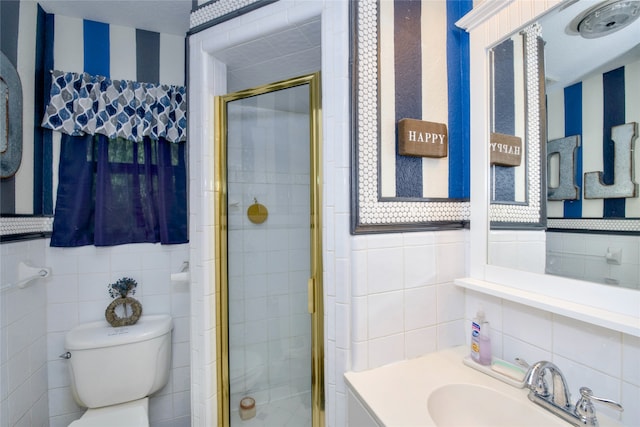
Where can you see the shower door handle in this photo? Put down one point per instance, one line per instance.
(311, 305)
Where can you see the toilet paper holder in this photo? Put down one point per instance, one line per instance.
(27, 274)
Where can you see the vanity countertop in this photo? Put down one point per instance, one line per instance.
(397, 394)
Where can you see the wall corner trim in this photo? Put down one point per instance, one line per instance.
(481, 13)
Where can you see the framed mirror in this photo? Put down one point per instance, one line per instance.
(613, 307)
(392, 190)
(589, 127)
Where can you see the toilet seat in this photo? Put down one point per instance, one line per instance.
(130, 414)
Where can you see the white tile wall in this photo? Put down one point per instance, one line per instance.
(524, 250)
(23, 365)
(583, 256)
(413, 309)
(361, 273)
(77, 292)
(576, 255)
(604, 360)
(427, 312)
(420, 265)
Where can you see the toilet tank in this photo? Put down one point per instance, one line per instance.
(115, 365)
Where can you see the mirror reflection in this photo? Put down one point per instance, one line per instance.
(591, 73)
(507, 177)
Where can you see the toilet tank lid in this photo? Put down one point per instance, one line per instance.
(101, 334)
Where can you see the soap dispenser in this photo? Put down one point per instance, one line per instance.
(485, 344)
(480, 341)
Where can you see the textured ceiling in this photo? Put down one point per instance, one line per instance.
(569, 57)
(291, 52)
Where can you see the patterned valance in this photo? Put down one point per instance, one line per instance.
(85, 104)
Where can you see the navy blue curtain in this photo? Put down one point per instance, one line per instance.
(116, 191)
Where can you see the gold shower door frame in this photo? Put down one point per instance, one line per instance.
(315, 300)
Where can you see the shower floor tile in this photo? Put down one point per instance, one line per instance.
(294, 411)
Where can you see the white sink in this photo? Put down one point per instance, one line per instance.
(457, 405)
(439, 390)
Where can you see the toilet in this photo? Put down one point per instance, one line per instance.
(115, 370)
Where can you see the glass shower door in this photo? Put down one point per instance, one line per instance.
(269, 257)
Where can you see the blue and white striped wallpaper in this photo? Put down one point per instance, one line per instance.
(590, 108)
(118, 52)
(423, 66)
(38, 42)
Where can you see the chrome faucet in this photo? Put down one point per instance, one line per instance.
(558, 401)
(537, 382)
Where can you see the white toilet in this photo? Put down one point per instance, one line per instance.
(114, 370)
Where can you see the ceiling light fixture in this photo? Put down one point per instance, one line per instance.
(605, 18)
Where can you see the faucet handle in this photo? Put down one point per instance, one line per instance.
(585, 409)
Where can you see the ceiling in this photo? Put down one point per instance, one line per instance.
(290, 52)
(570, 57)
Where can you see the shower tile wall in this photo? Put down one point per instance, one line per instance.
(269, 327)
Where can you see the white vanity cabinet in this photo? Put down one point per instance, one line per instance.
(357, 413)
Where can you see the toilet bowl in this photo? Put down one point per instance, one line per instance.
(114, 370)
(130, 414)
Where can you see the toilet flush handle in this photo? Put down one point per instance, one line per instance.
(66, 355)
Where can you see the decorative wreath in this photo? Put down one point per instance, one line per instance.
(120, 291)
(115, 320)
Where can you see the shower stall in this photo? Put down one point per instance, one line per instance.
(269, 269)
